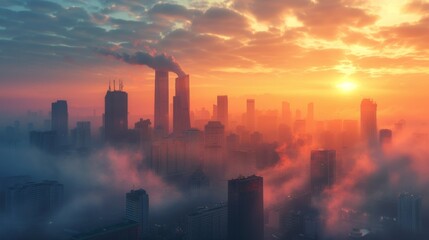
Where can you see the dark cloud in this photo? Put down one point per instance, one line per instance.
(173, 11)
(221, 21)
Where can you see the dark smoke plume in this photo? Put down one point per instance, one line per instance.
(157, 62)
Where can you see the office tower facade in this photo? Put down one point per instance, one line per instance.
(34, 200)
(127, 230)
(181, 112)
(59, 121)
(368, 121)
(137, 209)
(44, 140)
(322, 170)
(208, 223)
(385, 137)
(286, 114)
(409, 212)
(250, 115)
(222, 110)
(161, 102)
(115, 115)
(246, 208)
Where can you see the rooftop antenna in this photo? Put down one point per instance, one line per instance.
(121, 85)
(114, 85)
(109, 86)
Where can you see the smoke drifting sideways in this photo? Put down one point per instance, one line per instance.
(365, 191)
(94, 187)
(155, 61)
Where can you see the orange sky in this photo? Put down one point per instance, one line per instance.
(295, 50)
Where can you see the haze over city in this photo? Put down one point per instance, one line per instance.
(214, 120)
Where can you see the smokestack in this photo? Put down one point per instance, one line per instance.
(161, 101)
(157, 62)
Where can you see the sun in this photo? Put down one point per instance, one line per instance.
(347, 86)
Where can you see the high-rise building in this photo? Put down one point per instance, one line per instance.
(250, 115)
(246, 208)
(60, 122)
(409, 212)
(137, 209)
(322, 170)
(222, 110)
(368, 121)
(115, 115)
(124, 230)
(161, 102)
(208, 223)
(181, 112)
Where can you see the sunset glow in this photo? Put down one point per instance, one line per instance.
(347, 86)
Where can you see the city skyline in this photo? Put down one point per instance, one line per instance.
(214, 120)
(373, 46)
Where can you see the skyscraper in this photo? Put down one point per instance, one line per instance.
(222, 110)
(161, 102)
(115, 114)
(409, 212)
(250, 114)
(81, 135)
(60, 121)
(181, 113)
(322, 170)
(137, 209)
(368, 121)
(246, 208)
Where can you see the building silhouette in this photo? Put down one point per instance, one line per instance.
(34, 200)
(222, 110)
(208, 223)
(181, 112)
(368, 121)
(137, 209)
(385, 137)
(81, 135)
(115, 115)
(161, 120)
(250, 115)
(409, 212)
(59, 121)
(286, 114)
(246, 208)
(322, 170)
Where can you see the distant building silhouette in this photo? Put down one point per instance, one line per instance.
(410, 212)
(208, 223)
(181, 105)
(137, 209)
(286, 114)
(245, 208)
(44, 140)
(222, 110)
(322, 170)
(385, 137)
(81, 135)
(59, 121)
(115, 115)
(34, 200)
(250, 115)
(127, 230)
(368, 121)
